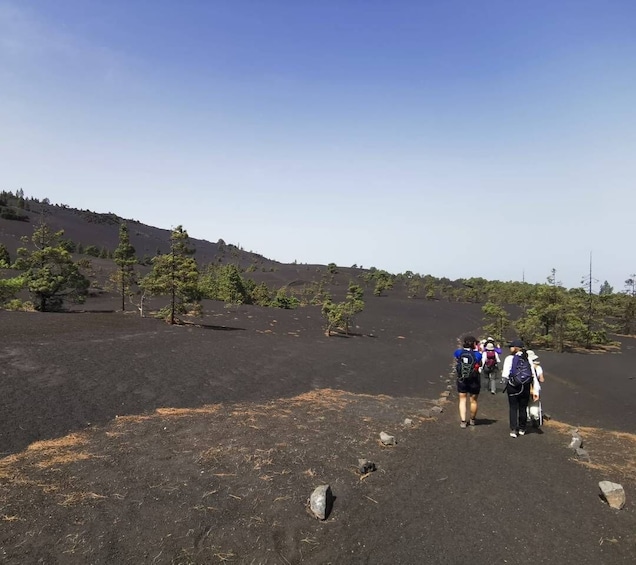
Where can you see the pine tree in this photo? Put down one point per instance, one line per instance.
(175, 274)
(496, 319)
(5, 258)
(341, 314)
(125, 259)
(231, 287)
(50, 274)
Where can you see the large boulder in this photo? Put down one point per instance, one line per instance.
(613, 494)
(387, 439)
(321, 502)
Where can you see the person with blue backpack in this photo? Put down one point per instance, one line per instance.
(518, 376)
(467, 365)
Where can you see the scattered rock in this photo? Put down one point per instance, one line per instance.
(426, 413)
(437, 410)
(576, 442)
(365, 466)
(387, 439)
(613, 494)
(321, 502)
(582, 454)
(450, 387)
(547, 416)
(445, 394)
(408, 422)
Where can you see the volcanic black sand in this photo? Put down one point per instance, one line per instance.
(125, 440)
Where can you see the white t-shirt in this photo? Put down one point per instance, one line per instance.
(507, 368)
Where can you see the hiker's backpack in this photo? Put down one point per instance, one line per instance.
(491, 361)
(466, 364)
(521, 372)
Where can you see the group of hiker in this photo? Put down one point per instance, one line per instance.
(521, 375)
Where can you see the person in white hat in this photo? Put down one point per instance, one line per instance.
(490, 362)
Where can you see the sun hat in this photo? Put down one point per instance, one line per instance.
(516, 343)
(490, 346)
(532, 356)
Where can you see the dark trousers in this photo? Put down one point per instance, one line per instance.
(518, 399)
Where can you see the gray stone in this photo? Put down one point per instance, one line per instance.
(445, 394)
(436, 410)
(576, 442)
(408, 422)
(613, 494)
(387, 439)
(365, 466)
(582, 455)
(426, 413)
(321, 501)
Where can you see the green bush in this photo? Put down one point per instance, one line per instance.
(284, 300)
(91, 250)
(11, 214)
(17, 305)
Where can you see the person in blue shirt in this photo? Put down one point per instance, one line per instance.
(468, 361)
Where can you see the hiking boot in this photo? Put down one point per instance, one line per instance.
(513, 434)
(522, 432)
(462, 424)
(472, 421)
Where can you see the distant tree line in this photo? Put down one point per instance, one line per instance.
(549, 315)
(543, 315)
(52, 277)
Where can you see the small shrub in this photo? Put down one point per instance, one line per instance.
(14, 305)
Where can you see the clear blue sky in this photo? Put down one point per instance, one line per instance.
(395, 134)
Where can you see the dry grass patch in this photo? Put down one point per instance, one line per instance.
(611, 452)
(206, 410)
(66, 442)
(79, 497)
(261, 442)
(44, 455)
(62, 459)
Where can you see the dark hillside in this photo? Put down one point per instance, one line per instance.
(102, 230)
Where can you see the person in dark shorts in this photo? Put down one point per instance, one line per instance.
(468, 361)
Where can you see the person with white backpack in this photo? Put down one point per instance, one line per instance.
(535, 410)
(519, 376)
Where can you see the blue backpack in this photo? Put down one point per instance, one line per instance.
(466, 365)
(521, 373)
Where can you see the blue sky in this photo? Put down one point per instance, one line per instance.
(456, 138)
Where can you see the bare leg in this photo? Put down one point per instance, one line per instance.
(473, 406)
(462, 406)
